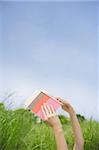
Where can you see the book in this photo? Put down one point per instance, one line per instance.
(39, 100)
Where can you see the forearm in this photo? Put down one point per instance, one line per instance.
(53, 120)
(60, 139)
(79, 141)
(77, 131)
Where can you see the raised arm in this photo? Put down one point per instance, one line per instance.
(53, 120)
(79, 141)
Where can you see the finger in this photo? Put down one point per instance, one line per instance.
(51, 113)
(46, 109)
(52, 109)
(60, 101)
(49, 108)
(63, 101)
(58, 98)
(43, 111)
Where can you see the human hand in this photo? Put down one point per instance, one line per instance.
(50, 116)
(66, 106)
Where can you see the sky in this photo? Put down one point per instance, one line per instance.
(50, 46)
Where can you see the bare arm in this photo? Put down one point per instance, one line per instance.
(79, 141)
(54, 122)
(60, 139)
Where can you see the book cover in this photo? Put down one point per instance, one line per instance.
(39, 100)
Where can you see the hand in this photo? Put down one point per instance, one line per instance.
(66, 106)
(50, 116)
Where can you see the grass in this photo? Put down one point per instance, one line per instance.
(20, 131)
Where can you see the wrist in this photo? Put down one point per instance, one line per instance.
(58, 128)
(72, 112)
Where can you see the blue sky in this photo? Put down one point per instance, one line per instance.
(50, 46)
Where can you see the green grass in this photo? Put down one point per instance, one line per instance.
(19, 131)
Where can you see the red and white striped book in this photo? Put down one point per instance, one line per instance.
(41, 98)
